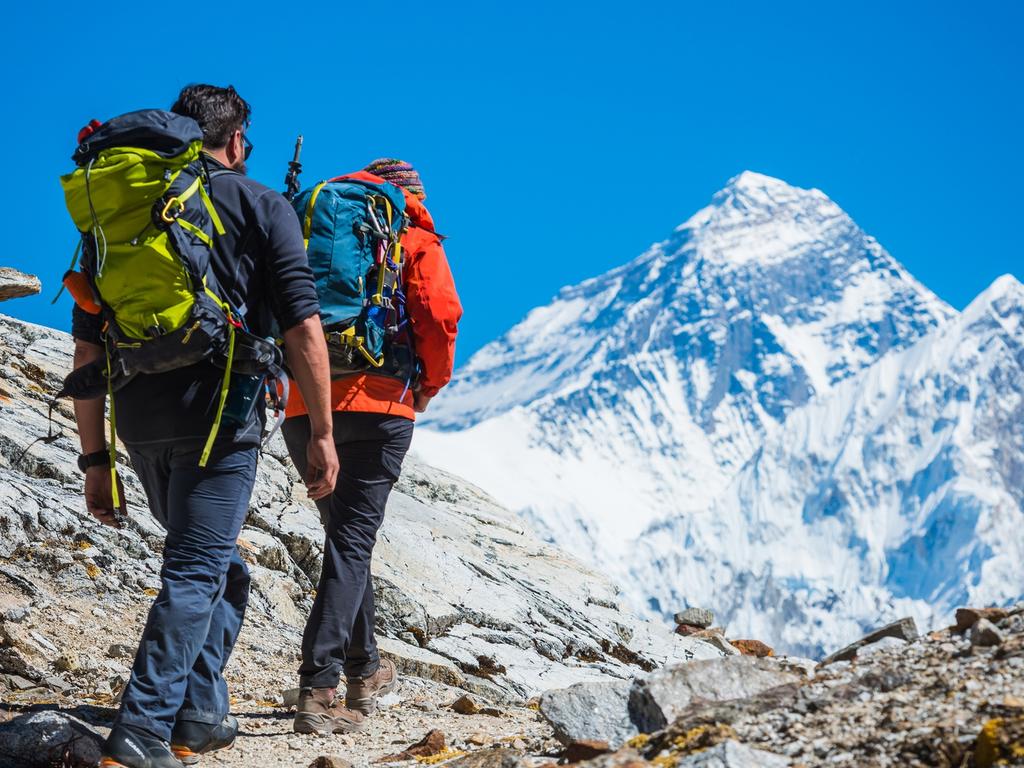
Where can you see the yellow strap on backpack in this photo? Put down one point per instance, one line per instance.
(115, 497)
(224, 387)
(307, 221)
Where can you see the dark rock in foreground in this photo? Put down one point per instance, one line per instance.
(45, 739)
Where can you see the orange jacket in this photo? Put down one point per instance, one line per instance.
(434, 312)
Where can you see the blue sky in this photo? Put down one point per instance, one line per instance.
(532, 123)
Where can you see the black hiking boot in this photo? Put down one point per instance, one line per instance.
(191, 739)
(128, 747)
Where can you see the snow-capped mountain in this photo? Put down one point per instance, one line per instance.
(898, 492)
(626, 417)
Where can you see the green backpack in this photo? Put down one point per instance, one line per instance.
(139, 197)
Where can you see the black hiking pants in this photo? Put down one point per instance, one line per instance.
(339, 633)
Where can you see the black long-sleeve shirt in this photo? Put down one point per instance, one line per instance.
(261, 269)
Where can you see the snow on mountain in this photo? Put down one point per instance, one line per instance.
(637, 396)
(898, 492)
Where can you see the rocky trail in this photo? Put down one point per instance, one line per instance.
(512, 653)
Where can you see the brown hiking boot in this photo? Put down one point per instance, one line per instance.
(318, 713)
(361, 692)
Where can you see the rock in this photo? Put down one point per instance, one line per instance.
(264, 549)
(467, 705)
(805, 667)
(477, 739)
(43, 643)
(121, 651)
(904, 629)
(15, 284)
(17, 614)
(413, 661)
(431, 744)
(274, 595)
(695, 617)
(590, 711)
(330, 761)
(880, 645)
(579, 751)
(719, 642)
(57, 684)
(752, 648)
(660, 698)
(968, 617)
(44, 739)
(986, 634)
(732, 754)
(492, 711)
(19, 683)
(490, 758)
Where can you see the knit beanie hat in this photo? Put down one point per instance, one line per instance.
(399, 173)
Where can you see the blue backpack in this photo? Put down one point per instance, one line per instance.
(353, 229)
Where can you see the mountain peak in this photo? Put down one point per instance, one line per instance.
(752, 181)
(750, 199)
(1003, 297)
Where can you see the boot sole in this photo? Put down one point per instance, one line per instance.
(368, 704)
(188, 757)
(310, 723)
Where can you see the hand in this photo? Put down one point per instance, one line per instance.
(98, 498)
(321, 466)
(420, 402)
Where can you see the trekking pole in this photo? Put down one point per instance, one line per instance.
(291, 180)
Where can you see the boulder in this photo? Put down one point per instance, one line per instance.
(15, 284)
(44, 739)
(986, 634)
(968, 617)
(590, 712)
(661, 697)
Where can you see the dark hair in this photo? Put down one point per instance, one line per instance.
(219, 111)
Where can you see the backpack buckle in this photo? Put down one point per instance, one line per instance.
(168, 216)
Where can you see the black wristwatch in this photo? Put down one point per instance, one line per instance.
(94, 459)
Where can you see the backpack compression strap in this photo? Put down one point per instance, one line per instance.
(307, 221)
(176, 205)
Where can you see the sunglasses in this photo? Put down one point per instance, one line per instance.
(247, 145)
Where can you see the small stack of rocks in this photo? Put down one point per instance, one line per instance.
(696, 622)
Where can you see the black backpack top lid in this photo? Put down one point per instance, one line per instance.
(166, 133)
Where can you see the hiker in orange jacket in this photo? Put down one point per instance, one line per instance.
(373, 425)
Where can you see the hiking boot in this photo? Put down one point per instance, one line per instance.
(128, 747)
(318, 713)
(191, 739)
(361, 692)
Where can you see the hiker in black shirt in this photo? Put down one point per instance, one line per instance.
(177, 698)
